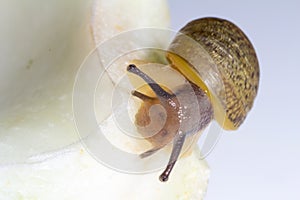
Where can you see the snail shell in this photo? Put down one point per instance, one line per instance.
(217, 56)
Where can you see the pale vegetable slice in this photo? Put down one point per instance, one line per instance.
(75, 175)
(42, 45)
(115, 16)
(40, 156)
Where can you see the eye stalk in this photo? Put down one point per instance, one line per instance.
(160, 92)
(177, 146)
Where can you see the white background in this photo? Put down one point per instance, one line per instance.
(261, 160)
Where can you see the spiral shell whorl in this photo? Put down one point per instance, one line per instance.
(235, 58)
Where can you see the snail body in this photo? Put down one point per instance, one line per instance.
(222, 73)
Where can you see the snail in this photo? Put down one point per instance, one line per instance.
(222, 72)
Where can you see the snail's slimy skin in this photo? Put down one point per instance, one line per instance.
(187, 111)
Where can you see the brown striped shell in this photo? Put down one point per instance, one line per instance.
(218, 57)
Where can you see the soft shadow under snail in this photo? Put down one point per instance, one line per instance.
(236, 67)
